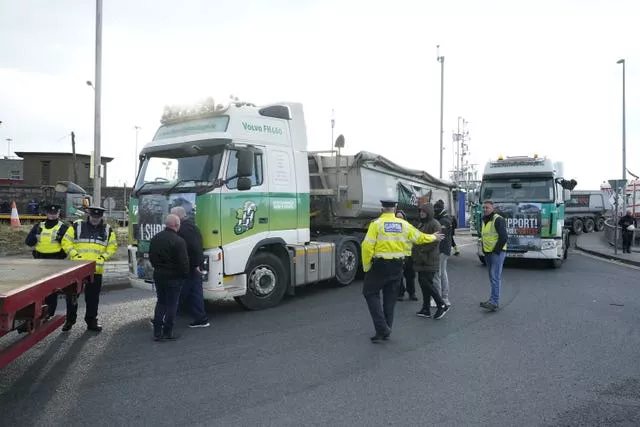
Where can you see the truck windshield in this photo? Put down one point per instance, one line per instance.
(164, 172)
(518, 190)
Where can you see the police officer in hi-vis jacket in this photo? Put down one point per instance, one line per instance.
(90, 240)
(383, 252)
(45, 237)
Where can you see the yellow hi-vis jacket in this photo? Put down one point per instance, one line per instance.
(489, 235)
(387, 238)
(48, 239)
(83, 242)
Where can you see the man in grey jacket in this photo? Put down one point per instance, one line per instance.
(442, 279)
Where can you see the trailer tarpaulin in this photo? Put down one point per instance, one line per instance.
(366, 157)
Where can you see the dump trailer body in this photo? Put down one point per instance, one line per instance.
(346, 190)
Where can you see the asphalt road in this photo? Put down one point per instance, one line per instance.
(564, 350)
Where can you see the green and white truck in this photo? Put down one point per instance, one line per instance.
(273, 215)
(530, 193)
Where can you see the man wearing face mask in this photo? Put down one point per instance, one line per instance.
(90, 240)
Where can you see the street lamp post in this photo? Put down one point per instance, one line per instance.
(135, 158)
(97, 158)
(624, 136)
(441, 61)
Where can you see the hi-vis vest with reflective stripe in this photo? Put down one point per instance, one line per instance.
(91, 243)
(388, 237)
(490, 235)
(48, 239)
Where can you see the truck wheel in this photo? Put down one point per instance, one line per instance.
(266, 282)
(577, 226)
(347, 263)
(556, 263)
(600, 224)
(589, 225)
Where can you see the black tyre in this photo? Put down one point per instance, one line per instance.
(266, 282)
(589, 225)
(347, 263)
(577, 226)
(600, 224)
(557, 263)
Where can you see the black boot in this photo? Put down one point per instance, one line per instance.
(68, 324)
(168, 334)
(93, 325)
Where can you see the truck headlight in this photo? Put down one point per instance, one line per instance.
(204, 268)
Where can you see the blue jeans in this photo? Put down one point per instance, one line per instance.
(168, 292)
(191, 295)
(494, 266)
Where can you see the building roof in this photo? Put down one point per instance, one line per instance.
(44, 153)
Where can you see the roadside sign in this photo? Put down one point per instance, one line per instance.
(109, 203)
(618, 183)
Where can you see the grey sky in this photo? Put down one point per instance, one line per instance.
(533, 78)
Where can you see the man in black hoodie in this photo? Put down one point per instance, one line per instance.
(192, 290)
(628, 224)
(494, 246)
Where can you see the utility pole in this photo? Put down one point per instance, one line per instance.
(624, 135)
(441, 61)
(333, 125)
(75, 160)
(97, 157)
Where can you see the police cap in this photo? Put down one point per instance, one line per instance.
(388, 203)
(95, 210)
(51, 208)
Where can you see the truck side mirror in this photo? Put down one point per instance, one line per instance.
(244, 183)
(567, 195)
(245, 164)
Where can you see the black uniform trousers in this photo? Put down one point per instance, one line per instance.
(385, 275)
(409, 278)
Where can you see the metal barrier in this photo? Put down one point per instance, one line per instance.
(609, 233)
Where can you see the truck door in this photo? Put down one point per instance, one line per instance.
(245, 215)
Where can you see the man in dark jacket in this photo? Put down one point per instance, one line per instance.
(442, 278)
(191, 293)
(628, 224)
(170, 261)
(409, 285)
(426, 261)
(494, 246)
